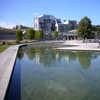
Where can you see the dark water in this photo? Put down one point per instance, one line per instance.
(7, 37)
(48, 74)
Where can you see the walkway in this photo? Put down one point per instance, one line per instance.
(7, 60)
(79, 45)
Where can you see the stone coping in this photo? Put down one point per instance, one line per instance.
(78, 49)
(83, 47)
(7, 61)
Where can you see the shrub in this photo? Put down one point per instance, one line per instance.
(55, 35)
(39, 35)
(30, 33)
(19, 36)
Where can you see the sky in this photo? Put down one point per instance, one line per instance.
(16, 12)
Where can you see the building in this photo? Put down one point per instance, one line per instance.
(71, 35)
(48, 24)
(72, 24)
(67, 30)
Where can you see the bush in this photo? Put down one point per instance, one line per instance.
(30, 33)
(39, 35)
(55, 35)
(19, 36)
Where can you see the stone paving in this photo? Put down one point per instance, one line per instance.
(7, 60)
(79, 45)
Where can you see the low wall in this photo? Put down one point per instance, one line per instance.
(7, 59)
(7, 37)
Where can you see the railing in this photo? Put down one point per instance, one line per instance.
(91, 41)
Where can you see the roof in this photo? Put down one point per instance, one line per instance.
(46, 16)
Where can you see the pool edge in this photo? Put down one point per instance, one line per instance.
(8, 68)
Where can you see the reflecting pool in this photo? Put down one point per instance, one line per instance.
(43, 73)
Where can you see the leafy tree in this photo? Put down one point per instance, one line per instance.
(30, 33)
(84, 28)
(39, 35)
(55, 35)
(19, 35)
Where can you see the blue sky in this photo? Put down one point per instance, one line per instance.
(14, 12)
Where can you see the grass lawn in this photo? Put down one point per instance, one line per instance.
(3, 47)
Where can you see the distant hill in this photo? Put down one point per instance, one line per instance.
(10, 34)
(7, 34)
(7, 31)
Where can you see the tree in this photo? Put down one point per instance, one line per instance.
(19, 35)
(55, 35)
(30, 33)
(84, 28)
(64, 20)
(39, 35)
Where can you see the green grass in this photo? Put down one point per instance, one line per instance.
(3, 47)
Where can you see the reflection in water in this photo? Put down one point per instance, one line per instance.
(30, 53)
(48, 56)
(48, 74)
(37, 58)
(85, 58)
(20, 53)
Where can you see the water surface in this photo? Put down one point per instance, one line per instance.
(48, 74)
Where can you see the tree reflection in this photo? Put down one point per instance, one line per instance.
(48, 56)
(84, 58)
(20, 53)
(30, 53)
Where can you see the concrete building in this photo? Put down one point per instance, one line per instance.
(71, 35)
(67, 30)
(46, 23)
(65, 27)
(49, 24)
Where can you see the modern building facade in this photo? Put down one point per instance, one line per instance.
(45, 23)
(71, 35)
(48, 24)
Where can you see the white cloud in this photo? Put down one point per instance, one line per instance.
(10, 25)
(7, 25)
(35, 14)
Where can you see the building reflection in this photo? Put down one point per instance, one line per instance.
(37, 58)
(57, 56)
(49, 57)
